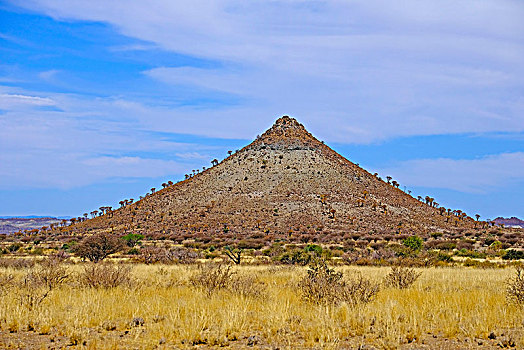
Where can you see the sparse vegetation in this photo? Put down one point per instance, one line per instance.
(165, 302)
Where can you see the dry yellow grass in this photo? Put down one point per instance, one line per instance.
(453, 303)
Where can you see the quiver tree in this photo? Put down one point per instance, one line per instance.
(235, 254)
(214, 162)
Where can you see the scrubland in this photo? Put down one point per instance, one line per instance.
(185, 306)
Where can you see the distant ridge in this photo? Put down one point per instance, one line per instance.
(513, 221)
(35, 217)
(286, 182)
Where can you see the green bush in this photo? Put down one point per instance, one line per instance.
(295, 257)
(444, 257)
(132, 239)
(14, 247)
(133, 251)
(414, 243)
(436, 234)
(513, 254)
(314, 248)
(471, 254)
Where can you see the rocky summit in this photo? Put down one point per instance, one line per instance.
(285, 183)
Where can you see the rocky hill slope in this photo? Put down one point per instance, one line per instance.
(286, 182)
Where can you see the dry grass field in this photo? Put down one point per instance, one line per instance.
(165, 306)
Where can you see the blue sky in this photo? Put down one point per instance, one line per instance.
(101, 101)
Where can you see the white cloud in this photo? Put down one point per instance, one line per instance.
(481, 175)
(8, 101)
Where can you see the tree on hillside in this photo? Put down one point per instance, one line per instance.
(214, 162)
(388, 178)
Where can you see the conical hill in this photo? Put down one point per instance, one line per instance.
(286, 182)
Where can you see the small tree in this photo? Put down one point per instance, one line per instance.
(98, 247)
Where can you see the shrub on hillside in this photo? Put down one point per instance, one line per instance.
(132, 239)
(296, 256)
(414, 243)
(98, 247)
(512, 254)
(14, 247)
(166, 255)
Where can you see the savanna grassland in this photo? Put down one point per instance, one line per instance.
(284, 244)
(58, 304)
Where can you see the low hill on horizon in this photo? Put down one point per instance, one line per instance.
(512, 222)
(10, 225)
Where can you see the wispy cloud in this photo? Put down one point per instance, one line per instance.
(11, 100)
(375, 69)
